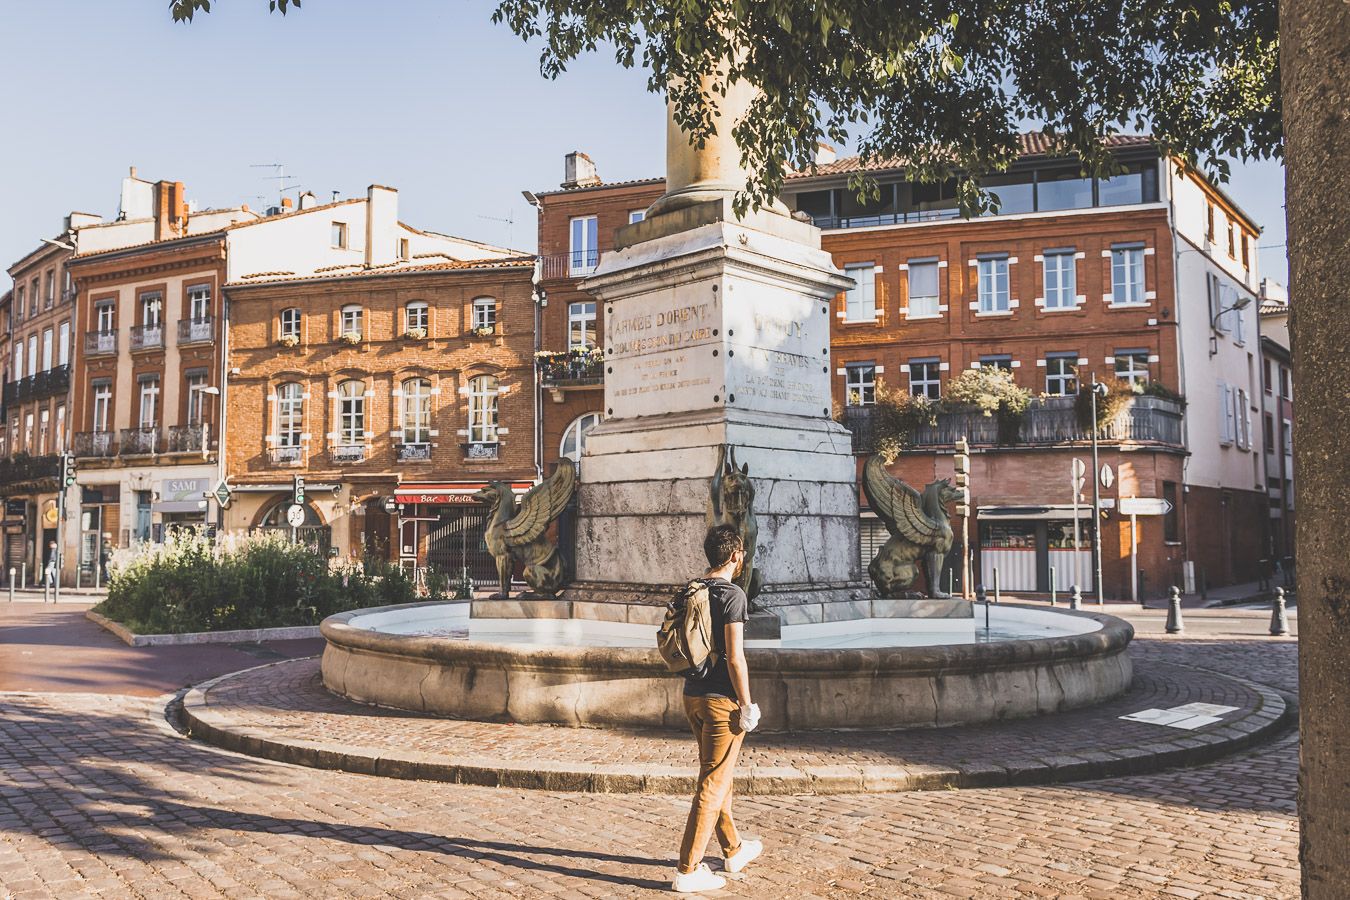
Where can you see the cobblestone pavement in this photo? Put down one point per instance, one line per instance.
(97, 799)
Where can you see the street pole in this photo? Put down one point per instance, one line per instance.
(1134, 559)
(1097, 499)
(1077, 569)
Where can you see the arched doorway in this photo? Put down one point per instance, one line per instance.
(311, 531)
(574, 435)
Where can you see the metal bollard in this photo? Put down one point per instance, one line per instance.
(11, 584)
(1279, 616)
(997, 597)
(1175, 625)
(982, 597)
(23, 576)
(1052, 585)
(1075, 597)
(1143, 591)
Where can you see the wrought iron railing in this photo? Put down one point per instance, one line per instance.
(285, 455)
(1053, 420)
(196, 331)
(94, 443)
(100, 342)
(414, 452)
(146, 337)
(139, 440)
(348, 453)
(480, 449)
(568, 265)
(187, 438)
(565, 368)
(24, 469)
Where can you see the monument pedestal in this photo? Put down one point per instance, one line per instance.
(717, 335)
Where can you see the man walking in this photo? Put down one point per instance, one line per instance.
(720, 712)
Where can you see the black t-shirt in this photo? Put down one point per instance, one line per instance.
(728, 605)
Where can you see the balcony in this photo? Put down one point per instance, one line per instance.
(147, 337)
(100, 343)
(1051, 421)
(569, 370)
(568, 265)
(68, 295)
(139, 441)
(286, 456)
(94, 444)
(348, 453)
(480, 449)
(22, 470)
(196, 331)
(188, 439)
(414, 453)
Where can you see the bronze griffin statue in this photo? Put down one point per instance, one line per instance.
(520, 532)
(920, 532)
(733, 501)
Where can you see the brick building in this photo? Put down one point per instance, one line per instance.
(1137, 277)
(388, 366)
(146, 380)
(1277, 419)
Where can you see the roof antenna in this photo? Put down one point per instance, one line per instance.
(335, 196)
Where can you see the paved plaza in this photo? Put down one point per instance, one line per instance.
(99, 796)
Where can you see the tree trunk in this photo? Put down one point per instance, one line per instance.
(1315, 68)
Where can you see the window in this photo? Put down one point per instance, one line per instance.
(290, 414)
(636, 215)
(1061, 374)
(339, 235)
(860, 301)
(416, 414)
(1061, 280)
(417, 314)
(28, 422)
(102, 404)
(44, 429)
(149, 417)
(1234, 232)
(63, 345)
(485, 313)
(106, 315)
(18, 301)
(290, 323)
(32, 354)
(1127, 275)
(196, 396)
(18, 360)
(993, 284)
(1266, 381)
(1243, 417)
(401, 248)
(584, 246)
(483, 394)
(1227, 415)
(923, 288)
(50, 293)
(860, 384)
(1003, 362)
(35, 303)
(351, 322)
(60, 427)
(1132, 367)
(1269, 432)
(351, 413)
(1209, 222)
(581, 325)
(1246, 251)
(199, 302)
(1063, 189)
(574, 438)
(48, 353)
(151, 307)
(1016, 193)
(1286, 388)
(923, 378)
(1173, 516)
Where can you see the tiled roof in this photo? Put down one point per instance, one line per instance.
(604, 184)
(1033, 143)
(295, 212)
(163, 242)
(261, 278)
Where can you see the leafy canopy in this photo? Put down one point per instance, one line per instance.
(941, 86)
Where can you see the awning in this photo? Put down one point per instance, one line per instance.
(449, 492)
(1041, 512)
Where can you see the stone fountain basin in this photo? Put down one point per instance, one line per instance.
(796, 689)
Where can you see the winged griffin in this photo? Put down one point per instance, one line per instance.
(733, 503)
(520, 532)
(920, 532)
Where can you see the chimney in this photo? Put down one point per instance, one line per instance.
(579, 171)
(308, 200)
(287, 204)
(170, 210)
(381, 225)
(77, 220)
(824, 154)
(137, 200)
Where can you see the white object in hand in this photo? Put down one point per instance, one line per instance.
(749, 716)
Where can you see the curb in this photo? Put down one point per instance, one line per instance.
(1274, 715)
(242, 636)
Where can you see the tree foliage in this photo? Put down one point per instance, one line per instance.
(943, 87)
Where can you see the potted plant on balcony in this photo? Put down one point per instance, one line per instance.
(289, 340)
(350, 338)
(1119, 395)
(896, 416)
(994, 392)
(416, 333)
(484, 330)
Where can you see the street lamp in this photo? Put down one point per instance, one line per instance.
(1241, 303)
(215, 392)
(1098, 390)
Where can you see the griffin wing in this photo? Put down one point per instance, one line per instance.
(897, 504)
(542, 504)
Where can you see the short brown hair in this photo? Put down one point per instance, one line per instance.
(720, 542)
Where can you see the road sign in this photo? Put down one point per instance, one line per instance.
(1107, 476)
(295, 515)
(1079, 469)
(1144, 506)
(223, 494)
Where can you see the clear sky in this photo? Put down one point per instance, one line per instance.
(424, 95)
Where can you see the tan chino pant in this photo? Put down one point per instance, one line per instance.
(716, 725)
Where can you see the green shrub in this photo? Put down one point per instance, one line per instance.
(898, 415)
(191, 583)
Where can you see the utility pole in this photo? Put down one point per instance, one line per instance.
(1098, 390)
(67, 482)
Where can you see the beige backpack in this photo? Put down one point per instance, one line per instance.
(685, 638)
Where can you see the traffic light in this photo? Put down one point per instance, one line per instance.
(299, 490)
(67, 470)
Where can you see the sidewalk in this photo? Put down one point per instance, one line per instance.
(30, 594)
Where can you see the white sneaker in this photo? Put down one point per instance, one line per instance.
(701, 879)
(749, 852)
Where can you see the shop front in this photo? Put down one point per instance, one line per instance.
(1026, 544)
(440, 527)
(179, 503)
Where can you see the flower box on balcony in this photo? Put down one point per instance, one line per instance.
(415, 334)
(289, 340)
(350, 338)
(483, 331)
